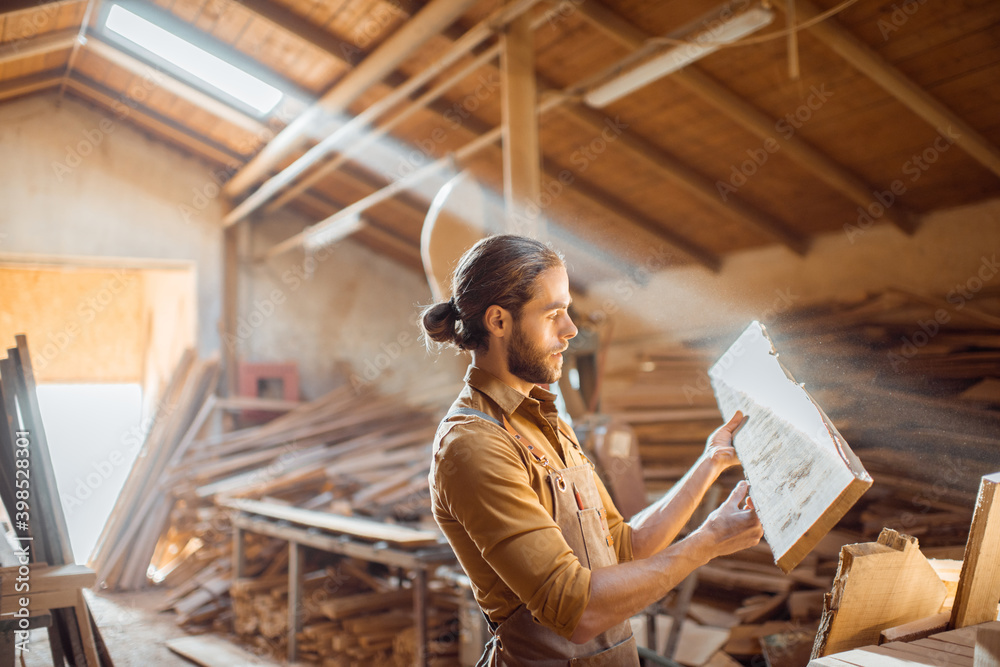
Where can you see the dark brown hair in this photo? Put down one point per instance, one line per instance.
(499, 270)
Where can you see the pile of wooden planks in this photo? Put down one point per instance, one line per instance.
(52, 584)
(345, 454)
(349, 620)
(910, 382)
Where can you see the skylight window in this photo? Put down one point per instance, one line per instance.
(194, 60)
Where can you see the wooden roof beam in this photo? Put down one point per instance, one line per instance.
(31, 83)
(40, 45)
(871, 64)
(599, 197)
(306, 30)
(15, 6)
(522, 178)
(429, 21)
(151, 120)
(361, 124)
(752, 119)
(694, 184)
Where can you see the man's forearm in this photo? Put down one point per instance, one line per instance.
(654, 528)
(621, 591)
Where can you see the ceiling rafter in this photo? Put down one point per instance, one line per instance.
(751, 118)
(299, 26)
(866, 60)
(30, 83)
(49, 42)
(429, 21)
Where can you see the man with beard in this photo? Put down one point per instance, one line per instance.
(554, 567)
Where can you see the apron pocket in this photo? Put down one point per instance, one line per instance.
(596, 539)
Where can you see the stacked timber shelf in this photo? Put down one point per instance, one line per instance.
(346, 453)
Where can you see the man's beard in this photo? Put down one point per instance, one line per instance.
(530, 363)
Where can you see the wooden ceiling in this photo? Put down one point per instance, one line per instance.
(878, 83)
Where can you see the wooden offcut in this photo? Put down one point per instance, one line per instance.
(803, 475)
(979, 584)
(347, 525)
(878, 585)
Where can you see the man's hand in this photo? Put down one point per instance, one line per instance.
(732, 528)
(719, 446)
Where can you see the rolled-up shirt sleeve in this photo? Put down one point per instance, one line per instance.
(483, 482)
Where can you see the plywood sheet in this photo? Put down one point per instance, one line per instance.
(803, 475)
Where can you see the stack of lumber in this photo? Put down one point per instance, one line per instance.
(31, 502)
(345, 453)
(347, 620)
(919, 410)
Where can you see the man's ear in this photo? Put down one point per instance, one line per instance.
(497, 321)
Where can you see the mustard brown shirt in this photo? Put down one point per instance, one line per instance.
(493, 502)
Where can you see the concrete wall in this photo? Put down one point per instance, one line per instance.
(347, 310)
(76, 182)
(947, 250)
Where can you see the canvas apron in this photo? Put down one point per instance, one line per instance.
(520, 641)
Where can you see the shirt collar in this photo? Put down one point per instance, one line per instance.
(505, 396)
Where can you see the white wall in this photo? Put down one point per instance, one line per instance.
(692, 302)
(347, 310)
(76, 181)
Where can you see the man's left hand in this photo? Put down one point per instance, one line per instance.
(719, 446)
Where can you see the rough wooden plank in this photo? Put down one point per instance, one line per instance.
(979, 585)
(349, 525)
(987, 646)
(803, 475)
(914, 630)
(878, 585)
(213, 651)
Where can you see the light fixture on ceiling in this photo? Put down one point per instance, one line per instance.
(677, 57)
(197, 62)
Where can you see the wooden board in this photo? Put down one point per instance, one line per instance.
(987, 652)
(214, 651)
(348, 525)
(878, 585)
(803, 475)
(914, 630)
(979, 584)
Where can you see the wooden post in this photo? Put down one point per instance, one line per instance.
(420, 616)
(979, 584)
(519, 118)
(230, 294)
(294, 599)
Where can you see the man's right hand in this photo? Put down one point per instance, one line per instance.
(731, 528)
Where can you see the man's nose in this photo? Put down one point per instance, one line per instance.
(571, 330)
